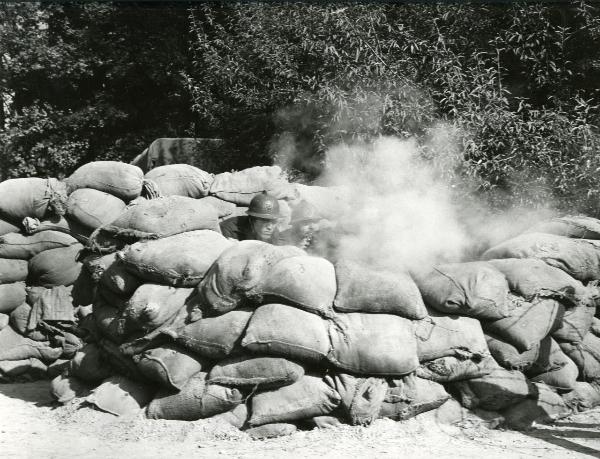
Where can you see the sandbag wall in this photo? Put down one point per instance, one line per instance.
(128, 296)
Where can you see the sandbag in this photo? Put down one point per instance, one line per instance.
(475, 289)
(30, 369)
(331, 202)
(241, 186)
(6, 228)
(12, 270)
(152, 305)
(92, 208)
(440, 336)
(181, 180)
(65, 388)
(23, 247)
(31, 197)
(579, 258)
(306, 398)
(277, 329)
(373, 344)
(238, 272)
(576, 323)
(279, 429)
(16, 347)
(119, 280)
(19, 317)
(58, 367)
(169, 365)
(213, 337)
(109, 321)
(90, 365)
(55, 267)
(162, 217)
(362, 289)
(451, 368)
(577, 226)
(495, 391)
(181, 260)
(196, 400)
(121, 396)
(529, 323)
(119, 179)
(530, 278)
(224, 208)
(305, 282)
(544, 406)
(4, 320)
(360, 398)
(410, 396)
(586, 355)
(562, 379)
(236, 417)
(260, 372)
(11, 296)
(595, 328)
(511, 358)
(583, 397)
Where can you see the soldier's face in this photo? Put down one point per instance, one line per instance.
(263, 228)
(306, 228)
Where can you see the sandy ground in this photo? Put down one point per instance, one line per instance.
(31, 426)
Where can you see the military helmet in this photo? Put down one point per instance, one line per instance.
(264, 206)
(305, 211)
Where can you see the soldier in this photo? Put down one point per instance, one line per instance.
(305, 219)
(260, 224)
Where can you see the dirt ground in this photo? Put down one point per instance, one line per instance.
(31, 426)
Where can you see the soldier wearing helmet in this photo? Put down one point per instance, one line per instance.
(259, 224)
(304, 222)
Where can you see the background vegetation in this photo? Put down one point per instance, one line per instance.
(502, 98)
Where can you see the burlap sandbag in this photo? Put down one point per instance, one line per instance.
(121, 396)
(373, 344)
(119, 280)
(241, 186)
(4, 320)
(119, 179)
(23, 247)
(562, 379)
(31, 197)
(595, 328)
(475, 289)
(542, 406)
(55, 267)
(12, 270)
(236, 417)
(306, 282)
(109, 321)
(224, 208)
(586, 355)
(152, 305)
(580, 258)
(6, 228)
(456, 368)
(495, 391)
(440, 336)
(308, 397)
(575, 323)
(583, 397)
(577, 226)
(19, 317)
(196, 400)
(530, 278)
(169, 365)
(161, 217)
(409, 396)
(181, 260)
(278, 429)
(362, 289)
(260, 372)
(529, 323)
(12, 296)
(181, 180)
(509, 357)
(238, 273)
(16, 347)
(213, 337)
(277, 329)
(92, 208)
(22, 370)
